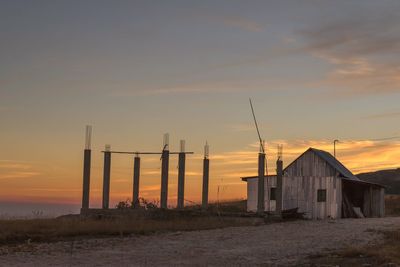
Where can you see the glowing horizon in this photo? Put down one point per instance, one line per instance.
(226, 170)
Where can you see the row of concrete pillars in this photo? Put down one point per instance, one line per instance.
(261, 183)
(165, 154)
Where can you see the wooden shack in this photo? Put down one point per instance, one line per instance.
(320, 187)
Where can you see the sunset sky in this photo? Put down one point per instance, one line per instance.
(316, 71)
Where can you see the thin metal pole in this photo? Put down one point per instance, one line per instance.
(334, 147)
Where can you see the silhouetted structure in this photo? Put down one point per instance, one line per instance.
(206, 173)
(136, 178)
(136, 174)
(86, 168)
(106, 177)
(181, 176)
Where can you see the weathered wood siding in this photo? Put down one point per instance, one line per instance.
(374, 202)
(310, 165)
(302, 180)
(252, 194)
(382, 203)
(301, 192)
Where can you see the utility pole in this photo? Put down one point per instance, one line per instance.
(334, 147)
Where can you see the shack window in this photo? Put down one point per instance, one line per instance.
(321, 195)
(273, 193)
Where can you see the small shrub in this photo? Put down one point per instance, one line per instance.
(124, 205)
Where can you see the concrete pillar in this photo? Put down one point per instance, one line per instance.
(181, 180)
(87, 155)
(261, 189)
(206, 168)
(136, 175)
(106, 178)
(164, 179)
(279, 187)
(86, 178)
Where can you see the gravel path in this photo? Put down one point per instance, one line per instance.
(274, 244)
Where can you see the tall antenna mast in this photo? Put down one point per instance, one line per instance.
(258, 131)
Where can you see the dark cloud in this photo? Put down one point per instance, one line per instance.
(362, 47)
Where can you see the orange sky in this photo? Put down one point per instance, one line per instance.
(61, 181)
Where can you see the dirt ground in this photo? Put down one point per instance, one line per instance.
(285, 244)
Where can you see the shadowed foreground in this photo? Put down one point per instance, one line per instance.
(280, 243)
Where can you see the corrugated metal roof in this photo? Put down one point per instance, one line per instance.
(331, 160)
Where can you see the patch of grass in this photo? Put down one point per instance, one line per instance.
(392, 205)
(376, 255)
(48, 230)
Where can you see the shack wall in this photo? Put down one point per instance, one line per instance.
(252, 193)
(301, 181)
(301, 192)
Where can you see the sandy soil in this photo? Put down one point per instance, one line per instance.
(275, 244)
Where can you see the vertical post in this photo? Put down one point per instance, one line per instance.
(206, 169)
(181, 176)
(334, 147)
(279, 182)
(164, 173)
(86, 168)
(136, 175)
(106, 177)
(261, 189)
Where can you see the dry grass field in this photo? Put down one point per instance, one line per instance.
(143, 223)
(392, 205)
(383, 254)
(353, 242)
(276, 244)
(47, 230)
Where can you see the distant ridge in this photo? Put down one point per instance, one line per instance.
(389, 178)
